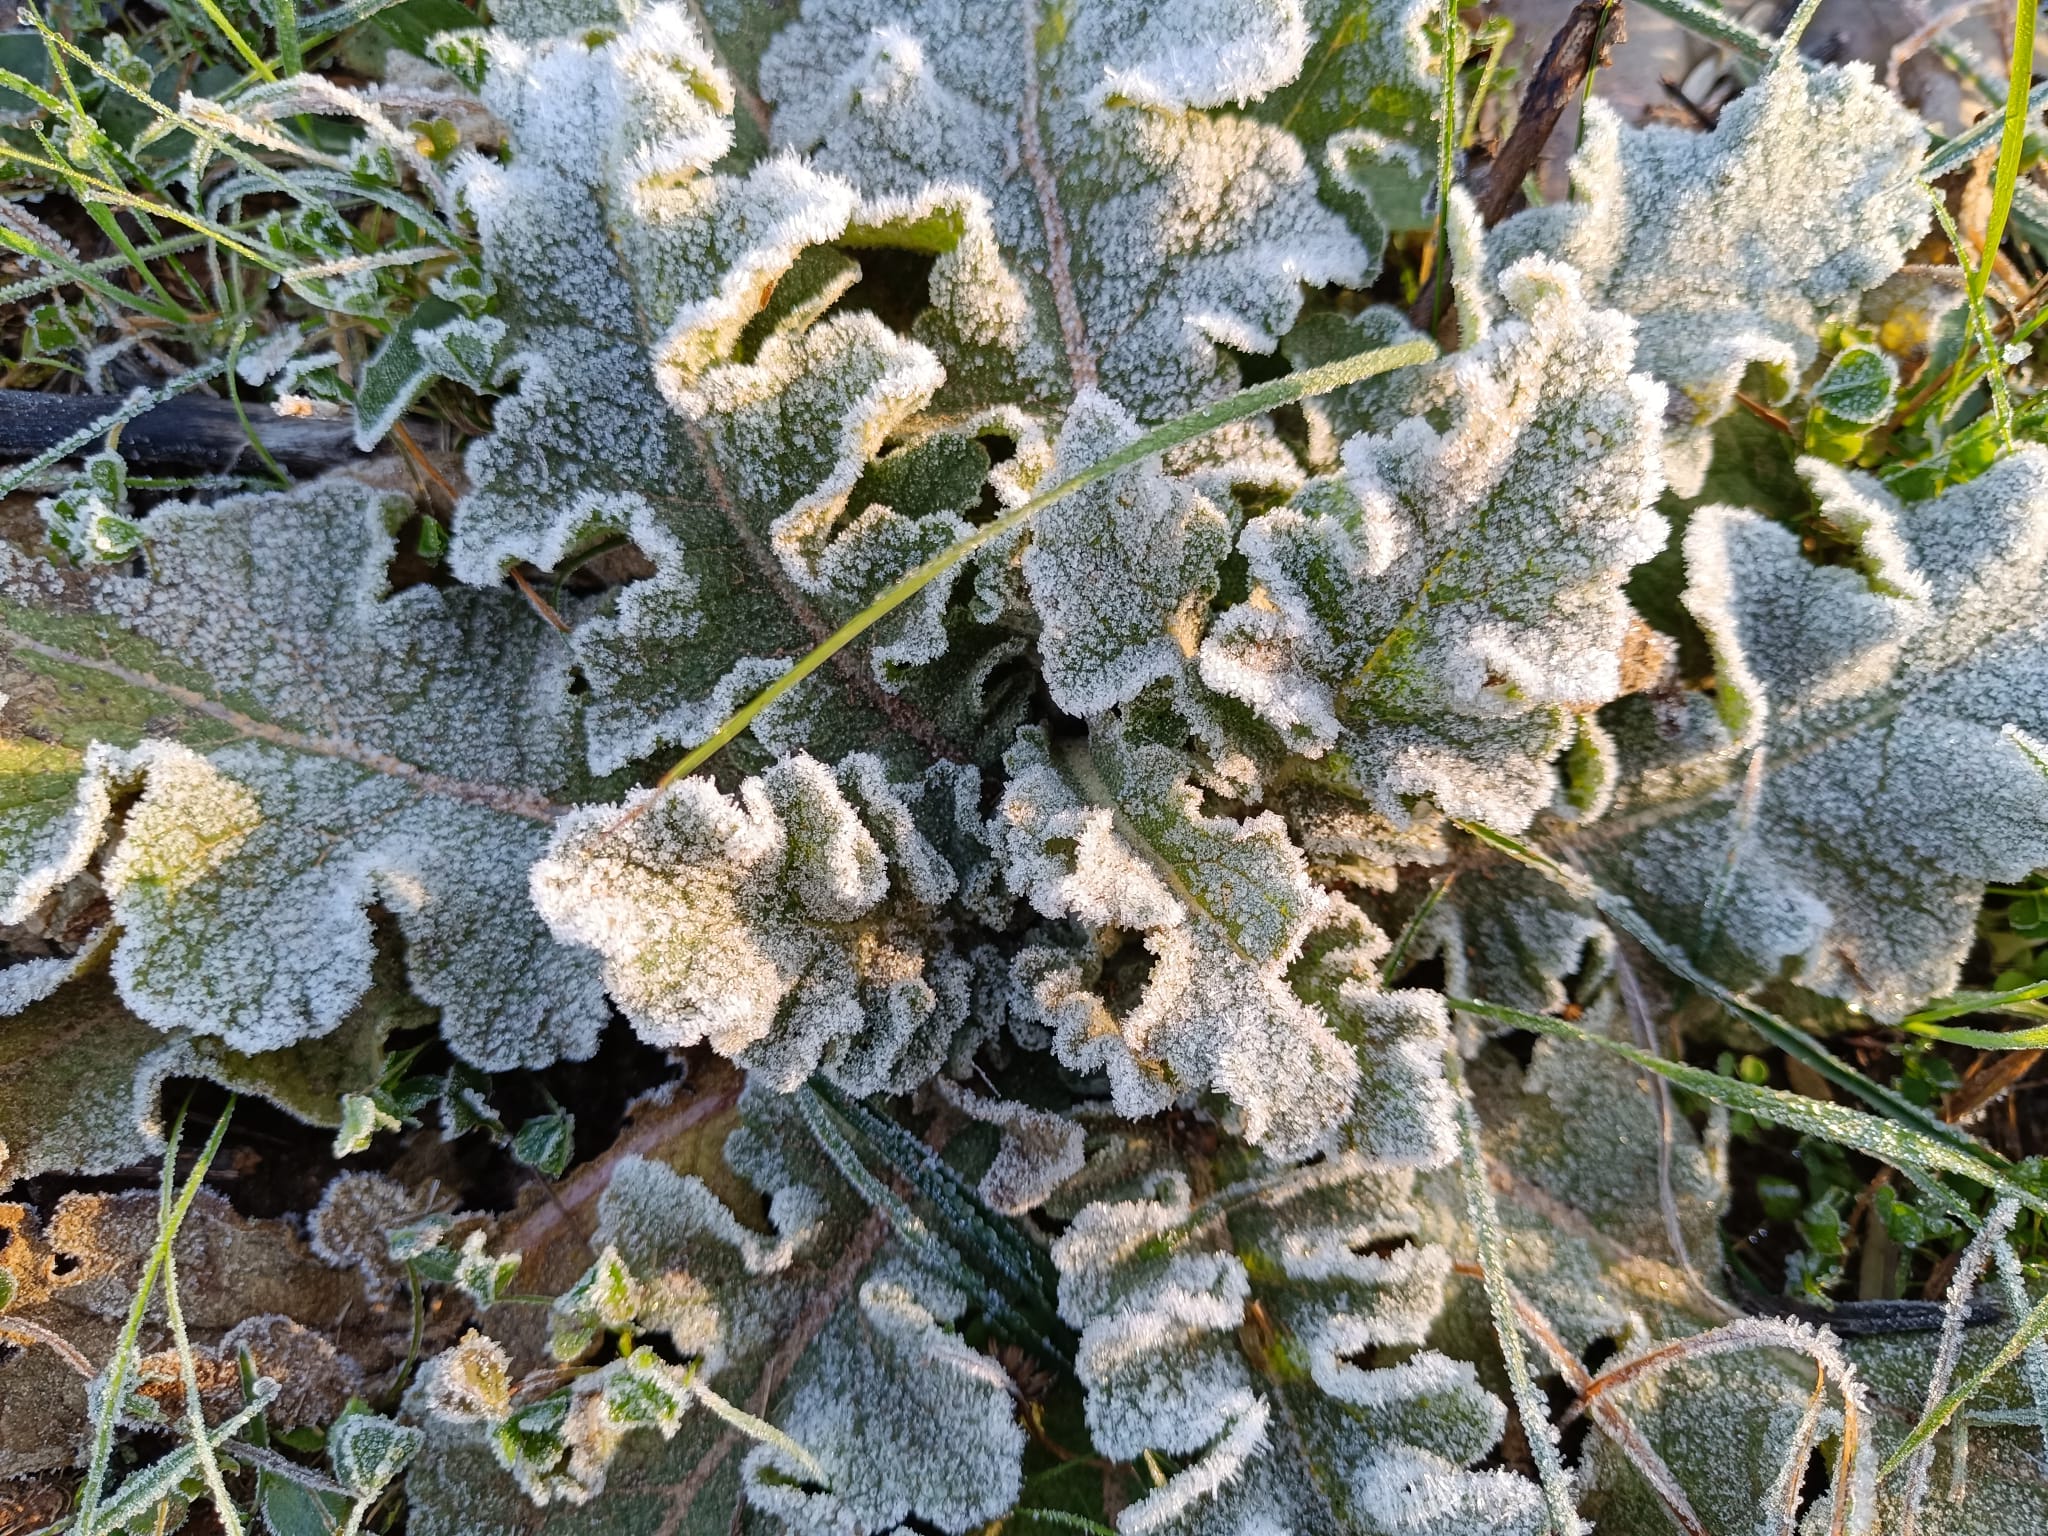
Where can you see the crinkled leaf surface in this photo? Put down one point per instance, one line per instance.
(1268, 1416)
(1150, 218)
(796, 927)
(1729, 247)
(350, 747)
(1873, 699)
(681, 384)
(1257, 983)
(1428, 622)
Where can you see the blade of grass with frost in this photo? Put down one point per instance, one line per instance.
(1487, 1236)
(82, 271)
(86, 277)
(1980, 322)
(139, 402)
(1391, 966)
(1716, 26)
(1898, 1145)
(1786, 1037)
(195, 1413)
(1018, 1277)
(172, 1217)
(143, 1490)
(169, 121)
(2032, 1328)
(103, 192)
(1254, 401)
(1446, 160)
(759, 1429)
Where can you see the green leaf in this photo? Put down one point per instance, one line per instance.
(546, 1143)
(1729, 248)
(397, 760)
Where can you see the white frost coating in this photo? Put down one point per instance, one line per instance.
(794, 928)
(1262, 986)
(1122, 571)
(1165, 1334)
(1730, 247)
(1431, 621)
(693, 1262)
(907, 1420)
(677, 383)
(1891, 788)
(1039, 1151)
(1153, 227)
(401, 771)
(1217, 1010)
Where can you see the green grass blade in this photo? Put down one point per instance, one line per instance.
(1246, 402)
(2012, 137)
(2031, 1328)
(1790, 1039)
(236, 41)
(85, 275)
(1900, 1146)
(108, 1417)
(1446, 160)
(290, 51)
(1716, 26)
(1976, 1002)
(1955, 153)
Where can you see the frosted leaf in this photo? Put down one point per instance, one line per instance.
(1153, 223)
(470, 1381)
(1879, 694)
(348, 1229)
(1121, 572)
(906, 1419)
(1429, 622)
(1039, 1151)
(350, 748)
(1238, 936)
(795, 928)
(1216, 1010)
(1171, 1360)
(696, 1271)
(82, 1078)
(682, 385)
(1730, 247)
